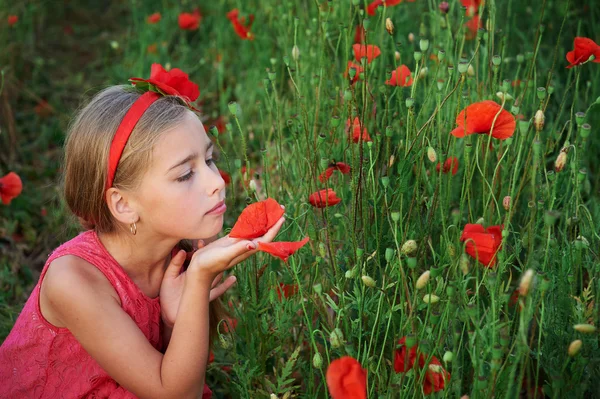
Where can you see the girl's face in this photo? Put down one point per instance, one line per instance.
(182, 185)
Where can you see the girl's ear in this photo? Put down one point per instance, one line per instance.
(121, 206)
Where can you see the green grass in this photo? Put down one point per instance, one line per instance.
(291, 119)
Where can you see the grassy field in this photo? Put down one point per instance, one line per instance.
(475, 256)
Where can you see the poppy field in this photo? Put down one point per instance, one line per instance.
(438, 163)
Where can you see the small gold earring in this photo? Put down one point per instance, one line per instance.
(133, 228)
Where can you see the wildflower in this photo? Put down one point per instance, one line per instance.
(357, 71)
(473, 25)
(256, 219)
(154, 18)
(400, 77)
(482, 244)
(371, 8)
(404, 359)
(435, 376)
(480, 117)
(360, 35)
(346, 379)
(342, 167)
(174, 82)
(323, 198)
(560, 162)
(10, 187)
(450, 164)
(241, 28)
(444, 7)
(225, 176)
(472, 6)
(356, 131)
(43, 109)
(282, 249)
(12, 19)
(369, 51)
(286, 290)
(584, 48)
(189, 21)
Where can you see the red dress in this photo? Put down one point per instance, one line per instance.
(39, 360)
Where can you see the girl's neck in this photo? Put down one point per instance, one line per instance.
(143, 258)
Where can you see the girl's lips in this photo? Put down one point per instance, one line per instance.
(218, 209)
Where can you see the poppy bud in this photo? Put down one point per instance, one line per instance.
(409, 247)
(462, 67)
(295, 53)
(411, 262)
(423, 72)
(448, 357)
(506, 203)
(389, 254)
(336, 338)
(560, 162)
(470, 70)
(351, 273)
(411, 37)
(574, 347)
(538, 120)
(525, 283)
(431, 155)
(424, 44)
(397, 55)
(423, 280)
(389, 26)
(317, 360)
(585, 130)
(444, 7)
(431, 299)
(318, 288)
(232, 108)
(114, 44)
(395, 216)
(369, 282)
(585, 328)
(480, 221)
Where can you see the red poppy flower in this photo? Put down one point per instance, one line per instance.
(371, 8)
(43, 109)
(359, 69)
(473, 25)
(451, 164)
(173, 83)
(12, 19)
(239, 24)
(256, 219)
(287, 290)
(346, 379)
(400, 77)
(211, 357)
(229, 322)
(584, 48)
(365, 50)
(342, 167)
(152, 48)
(323, 198)
(480, 117)
(282, 249)
(219, 123)
(190, 21)
(435, 376)
(403, 359)
(225, 176)
(360, 34)
(10, 187)
(356, 136)
(154, 18)
(472, 6)
(482, 243)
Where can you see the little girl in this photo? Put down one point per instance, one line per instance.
(113, 315)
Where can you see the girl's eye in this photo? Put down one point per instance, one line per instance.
(186, 177)
(210, 162)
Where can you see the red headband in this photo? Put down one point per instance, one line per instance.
(172, 83)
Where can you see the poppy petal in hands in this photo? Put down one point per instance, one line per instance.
(282, 249)
(584, 48)
(480, 117)
(10, 187)
(346, 379)
(323, 198)
(257, 219)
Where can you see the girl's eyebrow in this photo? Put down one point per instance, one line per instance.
(190, 157)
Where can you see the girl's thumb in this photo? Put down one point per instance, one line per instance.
(175, 265)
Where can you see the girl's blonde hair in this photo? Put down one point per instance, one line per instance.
(86, 159)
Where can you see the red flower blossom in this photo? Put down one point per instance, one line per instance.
(451, 164)
(282, 249)
(360, 35)
(472, 6)
(43, 109)
(10, 187)
(365, 50)
(229, 322)
(287, 290)
(154, 18)
(584, 48)
(403, 359)
(346, 379)
(482, 243)
(356, 135)
(473, 25)
(190, 21)
(239, 24)
(480, 117)
(323, 198)
(400, 77)
(359, 69)
(435, 376)
(211, 357)
(342, 167)
(174, 83)
(225, 176)
(152, 48)
(371, 8)
(12, 19)
(256, 219)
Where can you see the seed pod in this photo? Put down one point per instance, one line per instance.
(336, 338)
(526, 282)
(538, 120)
(585, 328)
(560, 162)
(431, 155)
(423, 280)
(448, 357)
(295, 53)
(575, 347)
(389, 26)
(409, 247)
(423, 72)
(504, 96)
(431, 298)
(317, 360)
(273, 396)
(464, 264)
(470, 70)
(506, 202)
(369, 282)
(424, 44)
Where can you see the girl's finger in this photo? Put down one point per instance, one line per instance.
(217, 280)
(222, 288)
